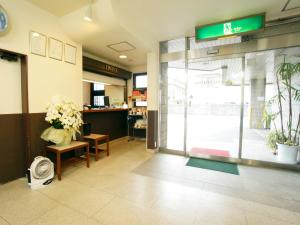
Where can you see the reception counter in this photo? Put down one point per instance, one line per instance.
(104, 110)
(107, 121)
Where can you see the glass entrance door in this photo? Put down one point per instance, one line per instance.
(260, 101)
(172, 119)
(214, 107)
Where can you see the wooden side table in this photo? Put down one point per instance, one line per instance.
(58, 150)
(96, 138)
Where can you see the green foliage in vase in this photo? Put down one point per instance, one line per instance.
(273, 138)
(285, 94)
(57, 124)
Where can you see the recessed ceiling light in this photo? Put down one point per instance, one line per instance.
(123, 56)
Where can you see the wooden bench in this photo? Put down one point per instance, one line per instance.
(58, 150)
(96, 138)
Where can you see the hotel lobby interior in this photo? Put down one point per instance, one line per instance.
(149, 112)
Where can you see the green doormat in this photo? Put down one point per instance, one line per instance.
(214, 165)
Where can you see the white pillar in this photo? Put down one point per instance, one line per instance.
(153, 80)
(153, 74)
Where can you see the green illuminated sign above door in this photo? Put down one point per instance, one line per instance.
(239, 26)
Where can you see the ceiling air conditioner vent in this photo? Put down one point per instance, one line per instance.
(122, 47)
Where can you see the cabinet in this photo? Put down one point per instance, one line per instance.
(134, 132)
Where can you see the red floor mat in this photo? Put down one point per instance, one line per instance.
(206, 151)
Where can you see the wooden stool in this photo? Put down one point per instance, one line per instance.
(96, 138)
(58, 150)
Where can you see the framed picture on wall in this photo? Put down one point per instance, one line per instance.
(55, 49)
(38, 43)
(70, 53)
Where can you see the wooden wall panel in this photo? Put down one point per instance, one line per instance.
(15, 146)
(37, 126)
(152, 130)
(12, 148)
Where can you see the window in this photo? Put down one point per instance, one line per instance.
(141, 103)
(97, 94)
(140, 85)
(98, 100)
(140, 81)
(98, 87)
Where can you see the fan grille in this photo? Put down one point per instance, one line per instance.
(42, 169)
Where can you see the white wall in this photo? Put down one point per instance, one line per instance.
(93, 77)
(47, 77)
(115, 93)
(10, 87)
(153, 74)
(138, 69)
(86, 93)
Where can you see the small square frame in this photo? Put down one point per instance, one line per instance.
(37, 43)
(70, 53)
(55, 48)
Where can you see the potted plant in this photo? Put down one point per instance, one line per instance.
(65, 119)
(285, 136)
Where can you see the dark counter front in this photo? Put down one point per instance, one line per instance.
(107, 121)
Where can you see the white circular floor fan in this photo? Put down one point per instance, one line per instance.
(40, 173)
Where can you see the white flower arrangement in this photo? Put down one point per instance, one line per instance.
(63, 114)
(65, 119)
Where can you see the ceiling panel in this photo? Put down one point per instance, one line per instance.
(123, 46)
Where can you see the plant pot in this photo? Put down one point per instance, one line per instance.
(61, 137)
(66, 140)
(287, 154)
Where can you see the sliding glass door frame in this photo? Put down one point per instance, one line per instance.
(186, 69)
(242, 108)
(238, 51)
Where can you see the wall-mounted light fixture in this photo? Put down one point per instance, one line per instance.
(88, 16)
(94, 82)
(123, 56)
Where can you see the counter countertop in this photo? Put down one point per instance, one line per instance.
(104, 110)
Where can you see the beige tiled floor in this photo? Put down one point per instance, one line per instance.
(133, 187)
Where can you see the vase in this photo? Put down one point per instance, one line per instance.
(66, 140)
(61, 137)
(287, 154)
